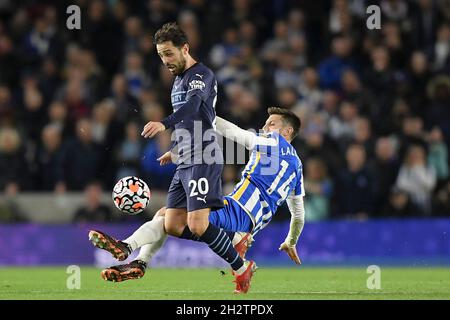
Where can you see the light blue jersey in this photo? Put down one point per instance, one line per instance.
(270, 176)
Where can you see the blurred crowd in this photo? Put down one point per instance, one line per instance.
(374, 104)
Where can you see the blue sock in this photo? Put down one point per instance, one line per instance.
(187, 234)
(219, 242)
(230, 235)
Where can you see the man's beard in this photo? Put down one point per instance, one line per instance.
(179, 68)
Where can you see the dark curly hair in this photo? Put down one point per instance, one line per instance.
(170, 32)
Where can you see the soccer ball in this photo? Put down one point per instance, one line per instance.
(131, 195)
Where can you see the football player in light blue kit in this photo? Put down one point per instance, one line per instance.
(272, 176)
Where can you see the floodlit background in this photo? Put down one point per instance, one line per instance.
(374, 106)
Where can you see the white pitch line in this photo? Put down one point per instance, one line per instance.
(217, 291)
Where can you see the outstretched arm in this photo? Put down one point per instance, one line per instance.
(246, 138)
(185, 111)
(297, 209)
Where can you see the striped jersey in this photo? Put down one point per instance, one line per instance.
(270, 176)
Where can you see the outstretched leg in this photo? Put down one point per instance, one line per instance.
(149, 232)
(151, 236)
(136, 269)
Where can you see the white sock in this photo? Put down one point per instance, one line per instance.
(237, 237)
(241, 269)
(149, 250)
(149, 232)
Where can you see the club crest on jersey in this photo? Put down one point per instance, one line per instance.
(196, 84)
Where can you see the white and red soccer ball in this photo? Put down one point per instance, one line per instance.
(131, 195)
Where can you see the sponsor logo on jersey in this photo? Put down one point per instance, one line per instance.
(196, 84)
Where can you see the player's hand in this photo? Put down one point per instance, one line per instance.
(166, 158)
(291, 251)
(152, 128)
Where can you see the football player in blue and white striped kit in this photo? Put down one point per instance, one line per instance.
(272, 176)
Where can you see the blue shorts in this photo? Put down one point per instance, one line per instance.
(231, 217)
(196, 187)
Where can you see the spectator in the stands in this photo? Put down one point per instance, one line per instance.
(332, 69)
(418, 77)
(79, 161)
(441, 49)
(10, 211)
(127, 106)
(135, 74)
(412, 133)
(362, 134)
(441, 201)
(13, 169)
(342, 126)
(222, 51)
(6, 103)
(385, 168)
(438, 154)
(93, 208)
(438, 113)
(417, 178)
(319, 190)
(380, 78)
(399, 205)
(48, 156)
(274, 46)
(57, 115)
(354, 185)
(310, 94)
(33, 111)
(130, 152)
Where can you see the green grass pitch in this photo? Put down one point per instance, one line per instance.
(210, 284)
